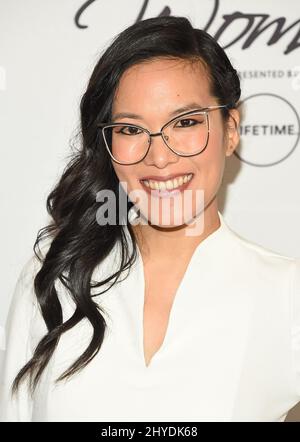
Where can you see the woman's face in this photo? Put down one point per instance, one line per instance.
(153, 91)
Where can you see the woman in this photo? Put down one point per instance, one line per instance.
(163, 313)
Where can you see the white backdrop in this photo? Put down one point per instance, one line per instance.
(46, 59)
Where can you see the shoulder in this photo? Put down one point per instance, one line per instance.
(260, 270)
(259, 257)
(295, 290)
(275, 278)
(23, 307)
(24, 283)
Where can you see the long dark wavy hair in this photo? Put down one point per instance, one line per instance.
(77, 242)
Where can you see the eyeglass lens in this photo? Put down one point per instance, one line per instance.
(185, 136)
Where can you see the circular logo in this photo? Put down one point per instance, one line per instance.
(269, 131)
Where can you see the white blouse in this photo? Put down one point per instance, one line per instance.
(231, 351)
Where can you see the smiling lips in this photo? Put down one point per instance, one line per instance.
(166, 186)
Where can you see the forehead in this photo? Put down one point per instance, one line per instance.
(162, 82)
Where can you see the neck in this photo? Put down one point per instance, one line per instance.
(161, 244)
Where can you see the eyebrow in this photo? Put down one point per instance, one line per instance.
(182, 109)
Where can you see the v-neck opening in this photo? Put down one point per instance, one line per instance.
(141, 288)
(142, 316)
(170, 316)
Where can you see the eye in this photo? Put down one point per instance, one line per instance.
(187, 122)
(128, 130)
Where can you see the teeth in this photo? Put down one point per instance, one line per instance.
(161, 185)
(169, 184)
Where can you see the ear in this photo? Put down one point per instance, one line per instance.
(232, 132)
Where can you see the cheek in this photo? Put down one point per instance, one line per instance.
(216, 140)
(210, 163)
(213, 156)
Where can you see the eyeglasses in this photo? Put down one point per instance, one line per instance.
(186, 135)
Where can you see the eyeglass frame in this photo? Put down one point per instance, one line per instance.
(204, 110)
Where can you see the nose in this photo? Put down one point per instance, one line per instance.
(159, 153)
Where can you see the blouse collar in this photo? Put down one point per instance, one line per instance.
(215, 240)
(210, 251)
